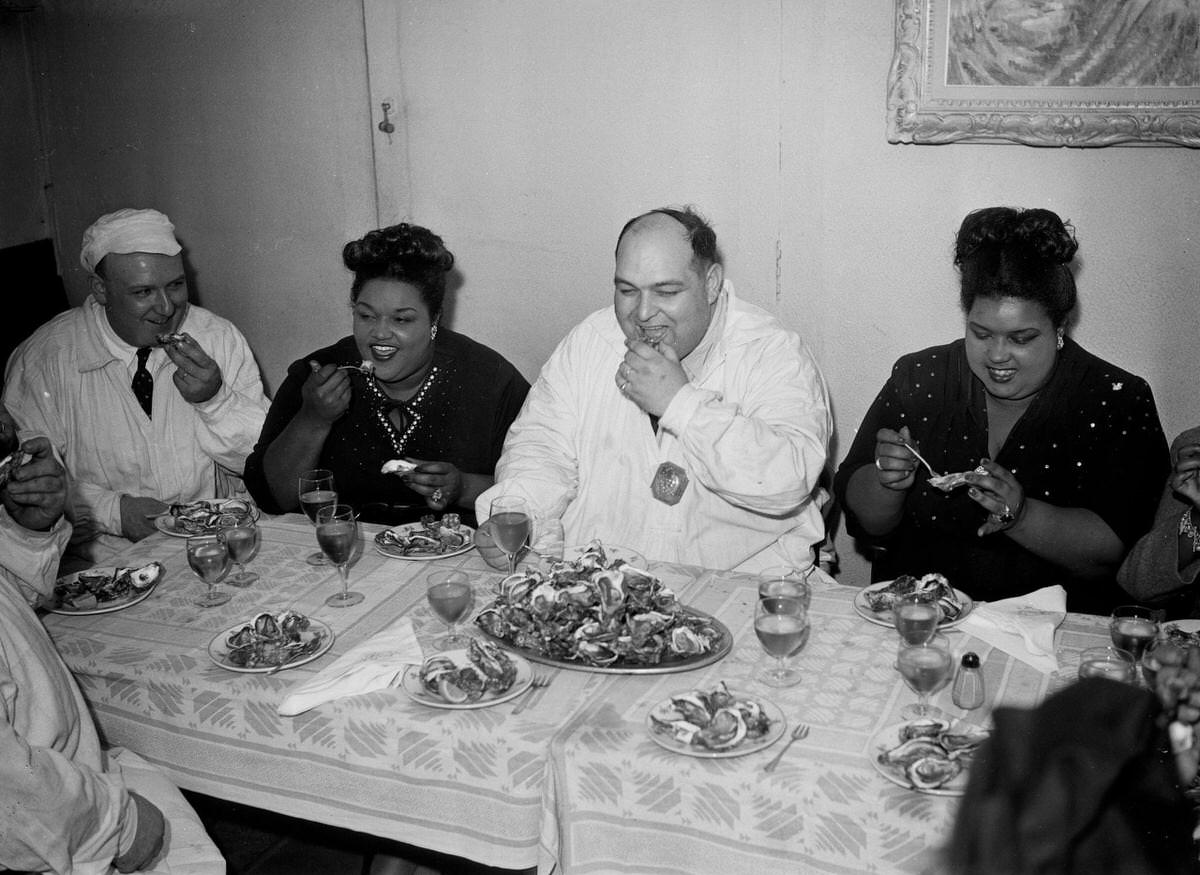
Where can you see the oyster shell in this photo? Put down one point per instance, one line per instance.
(911, 751)
(398, 466)
(931, 772)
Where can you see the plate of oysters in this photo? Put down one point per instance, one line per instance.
(929, 755)
(205, 516)
(479, 676)
(271, 642)
(874, 602)
(104, 589)
(715, 724)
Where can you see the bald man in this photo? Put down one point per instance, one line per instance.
(681, 422)
(143, 395)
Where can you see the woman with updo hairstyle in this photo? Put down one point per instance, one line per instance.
(401, 386)
(1063, 453)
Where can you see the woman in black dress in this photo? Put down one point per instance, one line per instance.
(401, 387)
(1066, 450)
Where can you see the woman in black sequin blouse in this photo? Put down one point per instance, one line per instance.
(1066, 450)
(401, 387)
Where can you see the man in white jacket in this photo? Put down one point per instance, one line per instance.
(66, 804)
(682, 422)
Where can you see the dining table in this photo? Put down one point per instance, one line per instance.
(565, 778)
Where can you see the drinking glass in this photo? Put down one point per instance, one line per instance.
(916, 616)
(511, 526)
(925, 667)
(241, 541)
(316, 491)
(1107, 662)
(781, 624)
(209, 559)
(451, 597)
(786, 580)
(1132, 628)
(337, 533)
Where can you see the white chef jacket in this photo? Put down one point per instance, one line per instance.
(751, 430)
(70, 381)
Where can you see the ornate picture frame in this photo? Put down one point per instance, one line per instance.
(958, 75)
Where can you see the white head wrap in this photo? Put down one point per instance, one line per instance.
(128, 231)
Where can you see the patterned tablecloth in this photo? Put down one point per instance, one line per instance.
(572, 781)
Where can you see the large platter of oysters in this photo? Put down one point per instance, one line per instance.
(603, 614)
(715, 723)
(929, 755)
(874, 603)
(104, 589)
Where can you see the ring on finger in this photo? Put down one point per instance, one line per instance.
(878, 464)
(1006, 516)
(438, 495)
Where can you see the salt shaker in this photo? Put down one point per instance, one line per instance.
(968, 683)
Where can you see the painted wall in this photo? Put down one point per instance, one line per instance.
(23, 214)
(247, 123)
(531, 129)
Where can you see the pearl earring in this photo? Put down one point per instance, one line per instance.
(1060, 340)
(433, 334)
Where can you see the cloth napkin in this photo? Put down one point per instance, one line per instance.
(1023, 625)
(372, 665)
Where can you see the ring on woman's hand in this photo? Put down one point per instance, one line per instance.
(438, 495)
(1006, 517)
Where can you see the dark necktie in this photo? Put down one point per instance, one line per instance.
(143, 383)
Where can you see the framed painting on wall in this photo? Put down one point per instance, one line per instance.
(1063, 73)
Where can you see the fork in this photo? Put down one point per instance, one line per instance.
(540, 681)
(921, 459)
(801, 731)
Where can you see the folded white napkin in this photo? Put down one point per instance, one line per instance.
(372, 665)
(1023, 625)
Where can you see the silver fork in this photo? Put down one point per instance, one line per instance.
(801, 731)
(540, 681)
(921, 459)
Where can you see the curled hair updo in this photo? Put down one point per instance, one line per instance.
(1004, 252)
(406, 253)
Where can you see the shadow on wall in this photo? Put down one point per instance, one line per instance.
(30, 277)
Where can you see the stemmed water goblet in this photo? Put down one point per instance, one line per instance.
(786, 580)
(451, 597)
(781, 624)
(337, 533)
(209, 559)
(916, 616)
(242, 541)
(316, 491)
(511, 525)
(925, 667)
(1133, 629)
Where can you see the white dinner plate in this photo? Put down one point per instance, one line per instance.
(166, 523)
(393, 552)
(889, 737)
(411, 684)
(671, 743)
(884, 618)
(218, 648)
(131, 597)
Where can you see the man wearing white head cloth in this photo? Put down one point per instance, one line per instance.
(146, 397)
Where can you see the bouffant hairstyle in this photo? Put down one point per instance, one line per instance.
(404, 252)
(1003, 252)
(696, 228)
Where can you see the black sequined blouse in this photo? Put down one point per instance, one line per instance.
(461, 415)
(1091, 439)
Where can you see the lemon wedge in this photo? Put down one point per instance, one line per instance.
(450, 691)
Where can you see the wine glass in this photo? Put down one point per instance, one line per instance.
(916, 616)
(786, 580)
(241, 540)
(316, 491)
(1132, 629)
(337, 533)
(781, 624)
(207, 556)
(511, 526)
(1108, 662)
(451, 597)
(925, 667)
